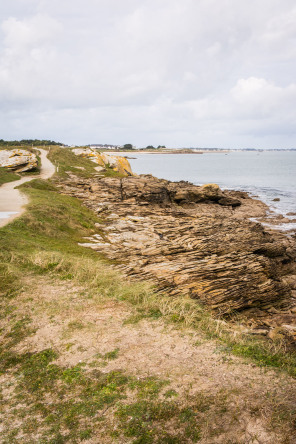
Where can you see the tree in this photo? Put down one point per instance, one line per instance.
(128, 146)
(28, 142)
(150, 147)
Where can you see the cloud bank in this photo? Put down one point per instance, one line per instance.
(190, 73)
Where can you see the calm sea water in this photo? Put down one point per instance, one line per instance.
(267, 174)
(6, 214)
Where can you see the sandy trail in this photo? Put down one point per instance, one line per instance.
(12, 201)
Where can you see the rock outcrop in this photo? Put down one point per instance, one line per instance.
(190, 240)
(117, 163)
(193, 240)
(18, 160)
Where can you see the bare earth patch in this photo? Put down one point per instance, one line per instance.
(249, 401)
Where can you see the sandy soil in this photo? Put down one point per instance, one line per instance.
(12, 200)
(82, 329)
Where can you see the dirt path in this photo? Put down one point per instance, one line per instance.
(12, 201)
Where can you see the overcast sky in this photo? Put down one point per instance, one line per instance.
(209, 73)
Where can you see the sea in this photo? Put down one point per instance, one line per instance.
(7, 214)
(267, 175)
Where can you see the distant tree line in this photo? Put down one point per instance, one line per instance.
(151, 147)
(28, 142)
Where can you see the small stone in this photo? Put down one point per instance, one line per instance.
(94, 188)
(229, 201)
(259, 331)
(275, 334)
(289, 327)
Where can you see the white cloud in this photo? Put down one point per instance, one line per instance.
(255, 97)
(196, 73)
(29, 32)
(27, 57)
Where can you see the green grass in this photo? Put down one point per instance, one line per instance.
(7, 176)
(52, 222)
(66, 161)
(42, 390)
(111, 355)
(19, 330)
(65, 418)
(152, 419)
(72, 403)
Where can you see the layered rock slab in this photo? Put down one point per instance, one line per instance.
(190, 240)
(18, 160)
(119, 164)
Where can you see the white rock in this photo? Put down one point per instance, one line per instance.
(18, 160)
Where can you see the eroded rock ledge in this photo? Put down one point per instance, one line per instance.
(118, 163)
(194, 240)
(18, 160)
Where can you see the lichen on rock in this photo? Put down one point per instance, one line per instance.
(18, 160)
(117, 163)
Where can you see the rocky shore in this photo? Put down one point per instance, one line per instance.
(197, 241)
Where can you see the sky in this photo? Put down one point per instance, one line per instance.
(180, 73)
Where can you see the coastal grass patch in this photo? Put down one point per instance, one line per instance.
(56, 403)
(68, 401)
(185, 312)
(86, 268)
(7, 176)
(52, 222)
(104, 282)
(66, 161)
(53, 403)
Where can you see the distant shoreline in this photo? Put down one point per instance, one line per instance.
(130, 153)
(191, 151)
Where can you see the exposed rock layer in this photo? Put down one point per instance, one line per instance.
(18, 160)
(117, 163)
(192, 240)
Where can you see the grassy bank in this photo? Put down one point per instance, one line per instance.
(66, 161)
(7, 176)
(76, 402)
